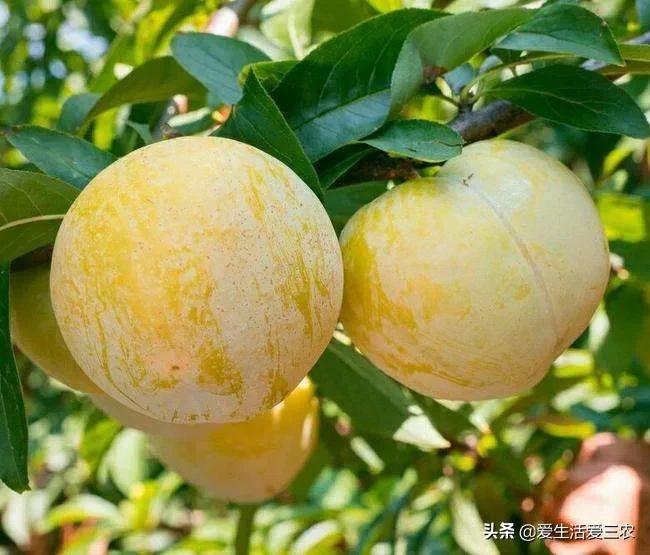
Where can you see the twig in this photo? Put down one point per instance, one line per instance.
(490, 121)
(245, 529)
(487, 122)
(500, 116)
(380, 166)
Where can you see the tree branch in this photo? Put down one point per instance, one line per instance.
(380, 166)
(487, 122)
(490, 121)
(500, 116)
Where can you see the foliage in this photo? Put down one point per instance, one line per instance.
(325, 86)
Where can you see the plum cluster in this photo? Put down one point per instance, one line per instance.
(196, 281)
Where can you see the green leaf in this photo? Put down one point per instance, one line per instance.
(467, 526)
(626, 310)
(458, 77)
(119, 51)
(383, 522)
(162, 18)
(636, 257)
(637, 60)
(505, 463)
(624, 216)
(33, 206)
(421, 541)
(333, 16)
(342, 203)
(643, 11)
(128, 462)
(322, 537)
(337, 164)
(74, 111)
(192, 123)
(451, 423)
(216, 62)
(495, 505)
(635, 52)
(566, 29)
(564, 425)
(270, 74)
(385, 5)
(83, 507)
(13, 426)
(374, 402)
(418, 139)
(288, 24)
(257, 121)
(448, 42)
(340, 92)
(155, 80)
(539, 397)
(59, 154)
(143, 131)
(98, 435)
(575, 97)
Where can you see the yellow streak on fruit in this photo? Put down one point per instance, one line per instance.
(218, 372)
(197, 280)
(248, 461)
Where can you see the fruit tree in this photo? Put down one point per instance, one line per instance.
(323, 276)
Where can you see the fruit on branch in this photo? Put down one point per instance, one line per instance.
(37, 335)
(469, 284)
(248, 462)
(197, 280)
(35, 332)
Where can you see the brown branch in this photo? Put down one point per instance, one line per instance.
(501, 115)
(431, 73)
(492, 120)
(487, 122)
(380, 166)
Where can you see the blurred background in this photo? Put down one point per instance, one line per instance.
(575, 447)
